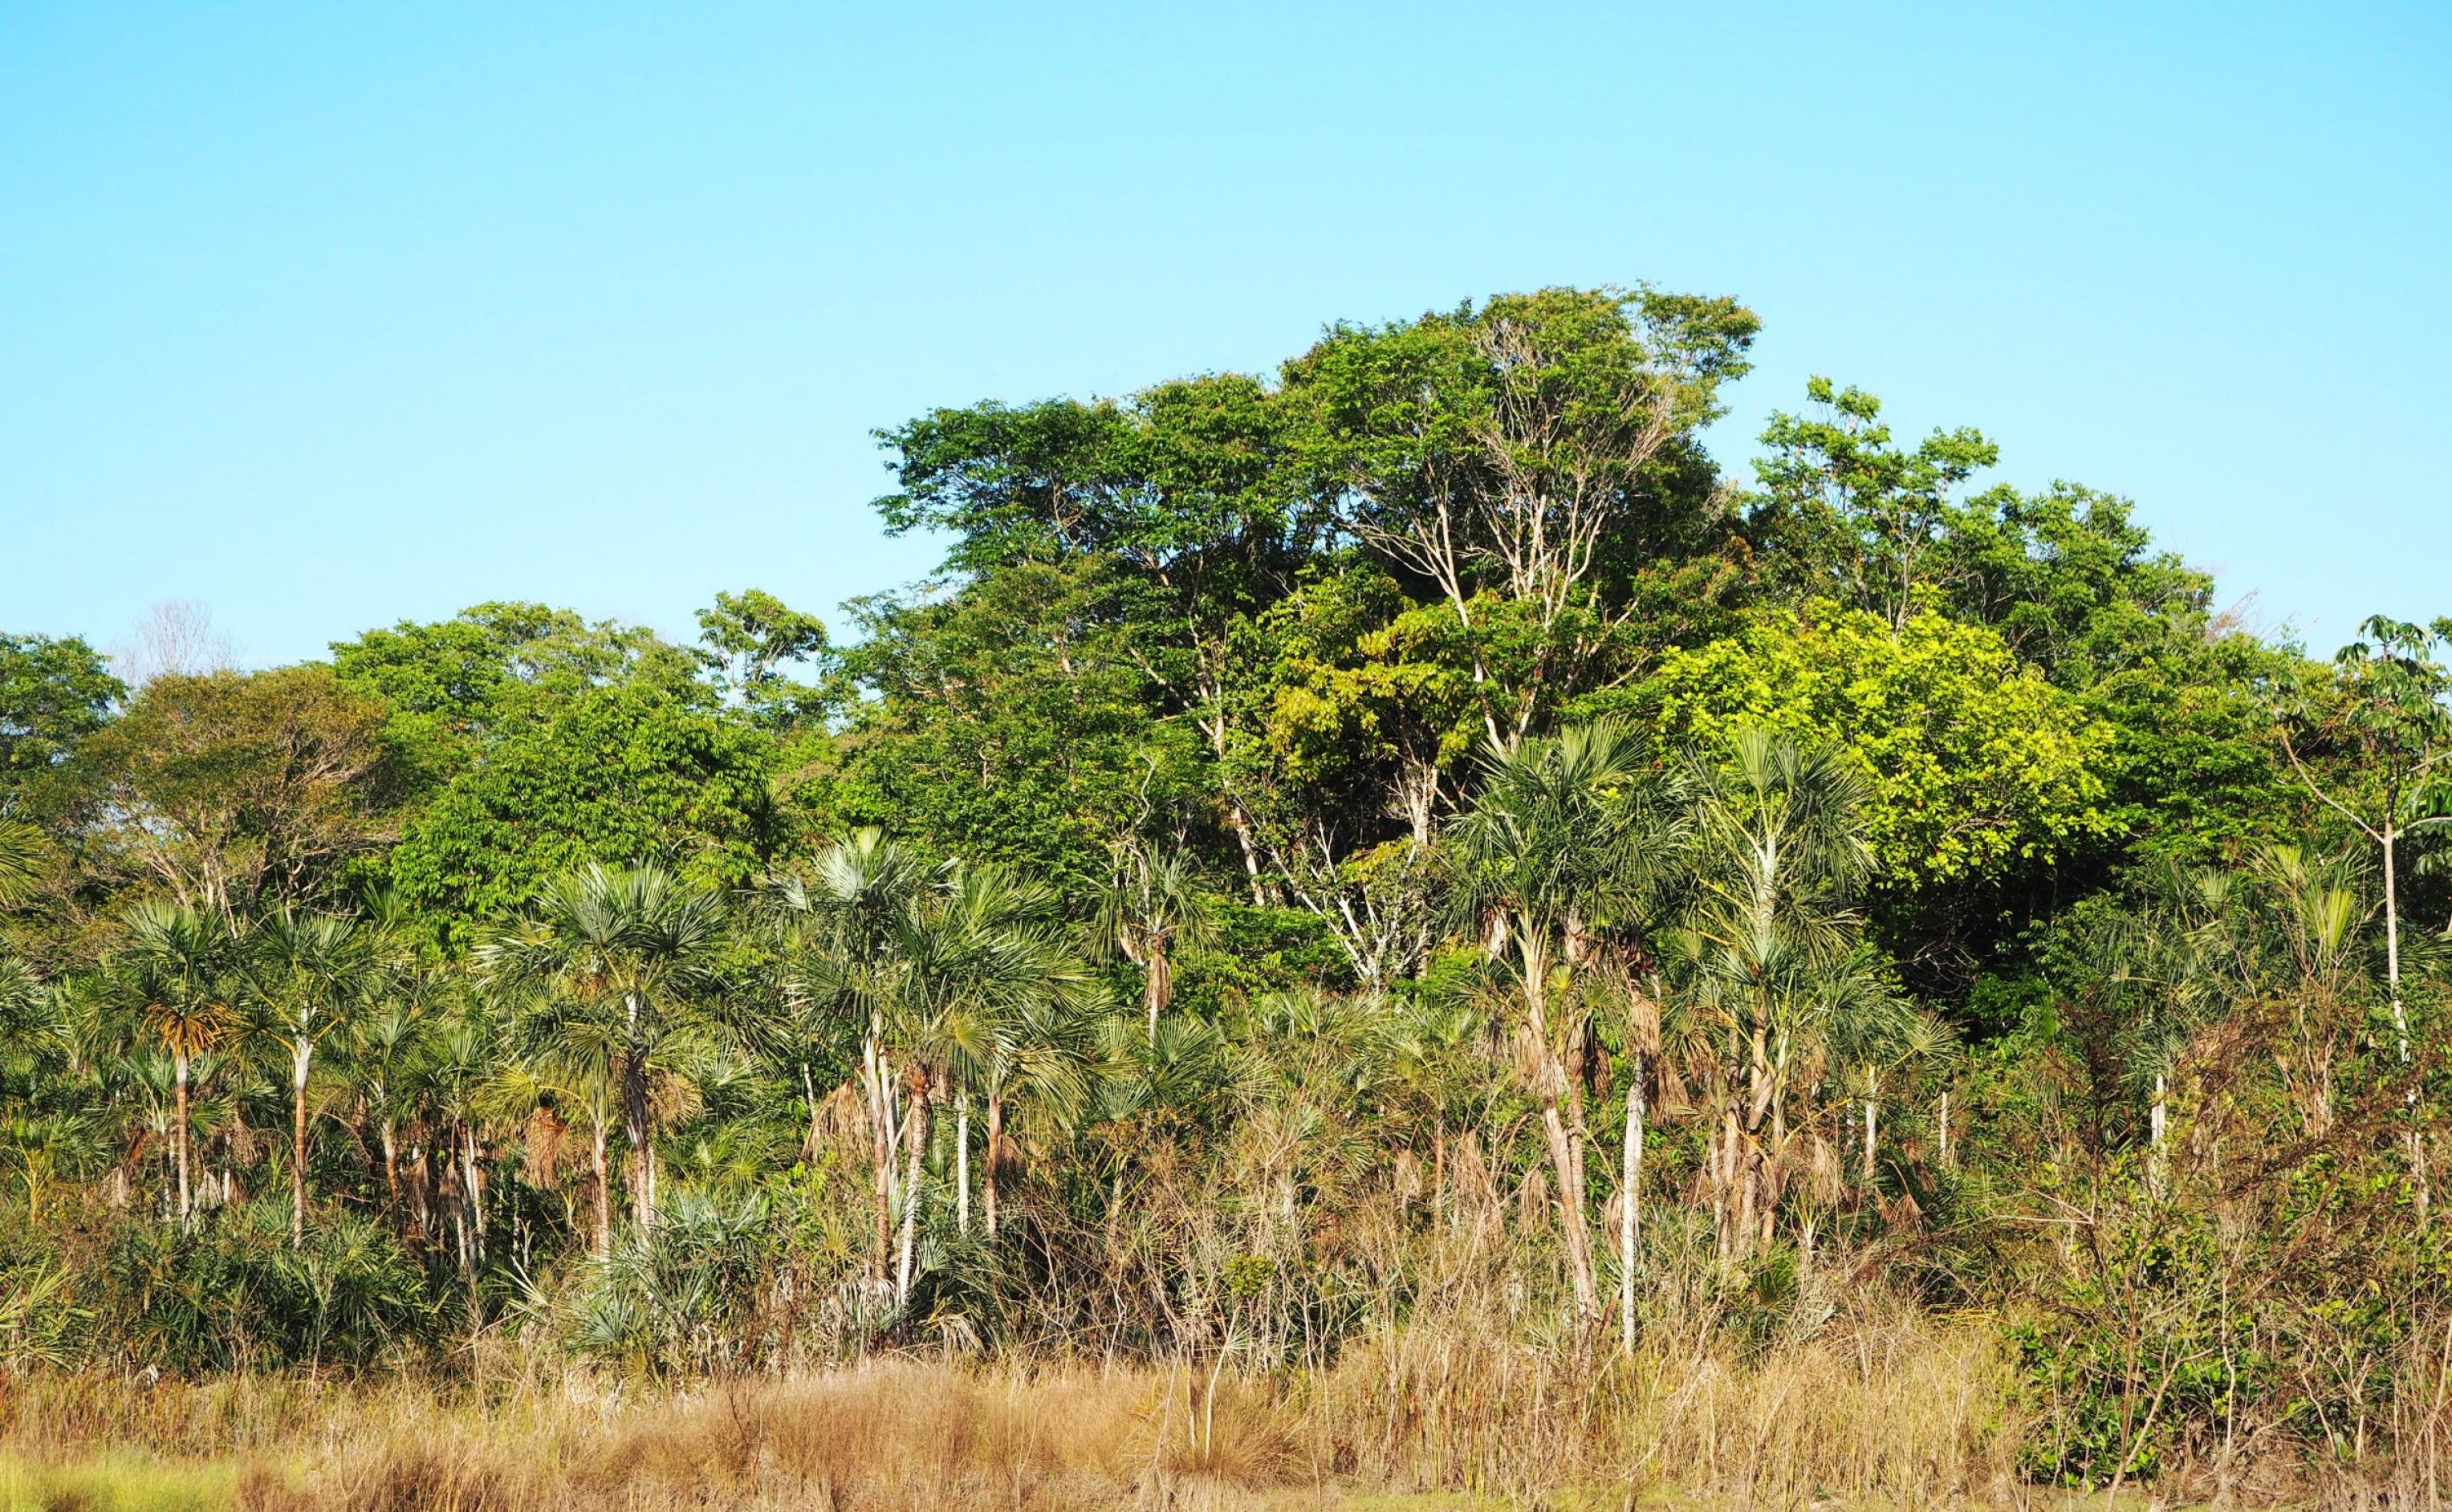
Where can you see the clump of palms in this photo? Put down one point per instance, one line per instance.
(622, 963)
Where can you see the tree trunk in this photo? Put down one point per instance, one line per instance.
(301, 1055)
(633, 1118)
(880, 1128)
(1158, 987)
(392, 1167)
(918, 1134)
(2392, 942)
(1564, 1167)
(1630, 1221)
(995, 1154)
(179, 1067)
(604, 1191)
(962, 1163)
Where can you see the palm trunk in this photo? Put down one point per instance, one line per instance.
(1157, 986)
(1566, 1159)
(633, 1118)
(880, 1128)
(301, 1055)
(392, 1167)
(962, 1163)
(994, 1153)
(1630, 1220)
(919, 1133)
(604, 1191)
(179, 1068)
(1564, 1166)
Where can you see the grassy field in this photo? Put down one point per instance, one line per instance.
(1913, 1418)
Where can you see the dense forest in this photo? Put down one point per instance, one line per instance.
(1410, 846)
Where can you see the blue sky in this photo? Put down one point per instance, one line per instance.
(327, 316)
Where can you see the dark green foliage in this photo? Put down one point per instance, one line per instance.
(614, 774)
(54, 692)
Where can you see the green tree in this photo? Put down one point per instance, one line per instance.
(2385, 710)
(176, 970)
(1558, 838)
(239, 792)
(54, 692)
(1528, 453)
(623, 962)
(611, 775)
(1971, 763)
(310, 976)
(754, 635)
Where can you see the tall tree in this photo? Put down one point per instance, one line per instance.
(624, 960)
(2385, 710)
(1546, 857)
(309, 976)
(176, 969)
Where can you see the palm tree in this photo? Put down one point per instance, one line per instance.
(310, 975)
(980, 962)
(621, 960)
(1559, 843)
(177, 967)
(1151, 907)
(1779, 972)
(839, 926)
(21, 862)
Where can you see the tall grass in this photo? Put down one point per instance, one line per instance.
(1878, 1409)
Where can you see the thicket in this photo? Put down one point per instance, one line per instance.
(1402, 851)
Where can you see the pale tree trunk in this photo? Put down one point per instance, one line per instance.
(2401, 1015)
(962, 1163)
(2392, 942)
(918, 1132)
(1157, 986)
(179, 1068)
(995, 1154)
(880, 1128)
(1630, 1218)
(301, 1055)
(391, 1166)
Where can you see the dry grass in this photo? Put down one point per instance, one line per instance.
(1889, 1412)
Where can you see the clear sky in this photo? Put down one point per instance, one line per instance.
(331, 315)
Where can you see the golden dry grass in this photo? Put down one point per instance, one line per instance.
(1881, 1411)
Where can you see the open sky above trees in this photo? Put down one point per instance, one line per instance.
(299, 305)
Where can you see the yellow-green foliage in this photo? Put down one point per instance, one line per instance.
(112, 1484)
(1973, 758)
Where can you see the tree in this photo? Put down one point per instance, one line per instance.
(55, 692)
(241, 792)
(753, 634)
(1152, 906)
(1008, 722)
(1969, 762)
(623, 960)
(2385, 710)
(1524, 454)
(310, 975)
(610, 777)
(1774, 957)
(1854, 517)
(175, 969)
(839, 923)
(1550, 852)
